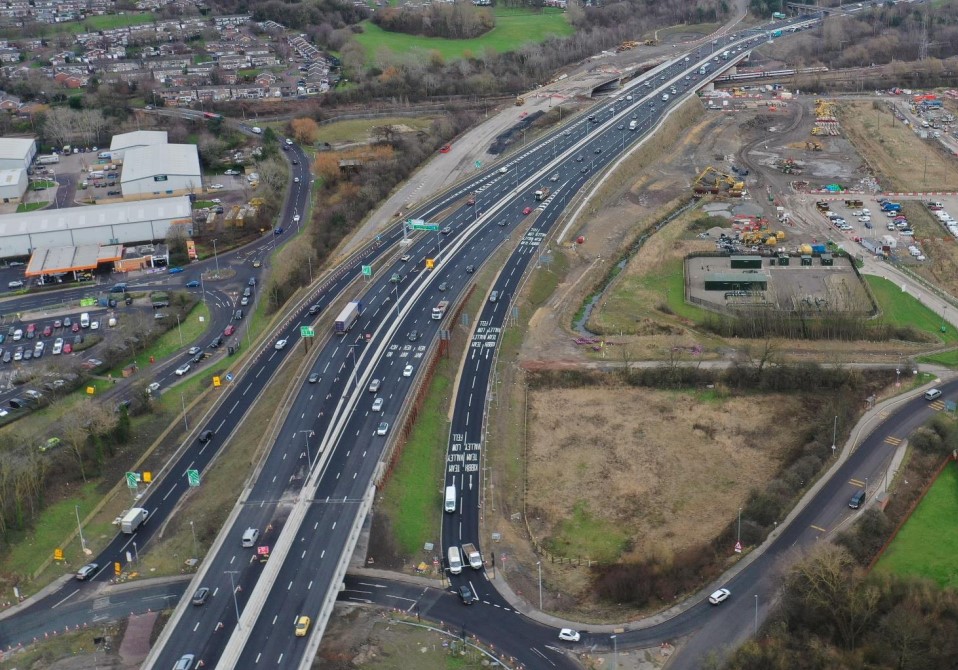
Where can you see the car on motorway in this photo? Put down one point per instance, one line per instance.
(195, 283)
(276, 231)
(313, 378)
(579, 158)
(229, 330)
(407, 371)
(185, 662)
(470, 269)
(598, 150)
(527, 211)
(192, 351)
(302, 625)
(413, 335)
(87, 571)
(443, 286)
(175, 271)
(378, 404)
(554, 177)
(198, 358)
(405, 258)
(296, 179)
(446, 230)
(466, 595)
(205, 436)
(217, 341)
(396, 278)
(280, 344)
(244, 301)
(584, 170)
(382, 428)
(201, 596)
(315, 309)
(182, 370)
(569, 635)
(295, 218)
(720, 596)
(503, 170)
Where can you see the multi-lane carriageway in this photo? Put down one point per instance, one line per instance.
(335, 416)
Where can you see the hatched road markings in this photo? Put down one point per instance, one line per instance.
(937, 405)
(894, 441)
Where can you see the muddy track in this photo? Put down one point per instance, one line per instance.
(742, 157)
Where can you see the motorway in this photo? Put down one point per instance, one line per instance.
(327, 449)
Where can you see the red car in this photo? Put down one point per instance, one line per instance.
(67, 348)
(527, 211)
(47, 331)
(445, 149)
(75, 328)
(32, 328)
(229, 330)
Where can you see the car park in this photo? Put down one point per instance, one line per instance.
(382, 429)
(75, 328)
(720, 596)
(47, 331)
(68, 348)
(569, 635)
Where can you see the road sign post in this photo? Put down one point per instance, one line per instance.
(419, 224)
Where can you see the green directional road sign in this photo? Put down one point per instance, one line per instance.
(131, 479)
(306, 331)
(193, 476)
(367, 271)
(419, 224)
(478, 164)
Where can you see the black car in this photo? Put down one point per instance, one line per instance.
(216, 342)
(579, 159)
(201, 596)
(314, 309)
(597, 150)
(205, 436)
(466, 594)
(313, 378)
(197, 358)
(413, 335)
(443, 286)
(470, 269)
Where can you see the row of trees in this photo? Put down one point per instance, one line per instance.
(454, 21)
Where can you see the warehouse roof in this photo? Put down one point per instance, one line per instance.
(76, 218)
(10, 177)
(52, 260)
(15, 148)
(138, 138)
(161, 159)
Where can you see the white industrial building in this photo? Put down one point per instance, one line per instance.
(161, 169)
(120, 144)
(121, 223)
(13, 184)
(17, 152)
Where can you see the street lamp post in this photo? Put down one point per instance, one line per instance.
(216, 259)
(615, 653)
(136, 553)
(196, 553)
(738, 537)
(179, 330)
(756, 615)
(80, 529)
(233, 589)
(539, 563)
(834, 433)
(352, 351)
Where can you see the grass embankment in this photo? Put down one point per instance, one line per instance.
(358, 130)
(927, 545)
(514, 28)
(30, 206)
(902, 309)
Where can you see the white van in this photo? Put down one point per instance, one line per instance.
(250, 535)
(455, 561)
(450, 504)
(85, 320)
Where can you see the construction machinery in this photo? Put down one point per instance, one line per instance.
(627, 45)
(650, 43)
(715, 182)
(813, 146)
(520, 101)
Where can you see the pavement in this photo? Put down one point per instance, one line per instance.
(136, 639)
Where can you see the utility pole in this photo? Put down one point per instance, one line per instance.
(233, 589)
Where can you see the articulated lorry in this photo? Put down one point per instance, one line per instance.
(133, 520)
(473, 556)
(347, 318)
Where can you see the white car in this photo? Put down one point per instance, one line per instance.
(719, 596)
(296, 218)
(569, 635)
(280, 344)
(289, 142)
(405, 258)
(57, 346)
(15, 284)
(296, 180)
(231, 173)
(382, 429)
(94, 325)
(407, 371)
(378, 405)
(216, 187)
(182, 370)
(153, 388)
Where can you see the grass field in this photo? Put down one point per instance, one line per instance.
(30, 206)
(514, 27)
(357, 130)
(948, 358)
(412, 499)
(108, 22)
(902, 309)
(927, 545)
